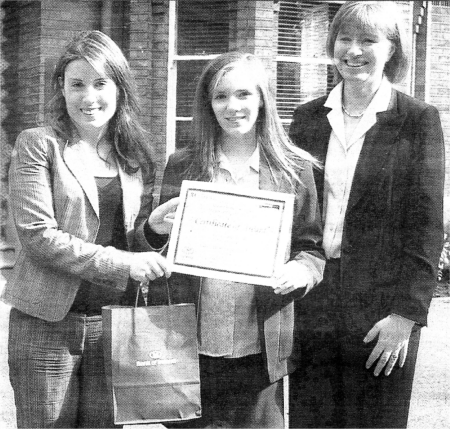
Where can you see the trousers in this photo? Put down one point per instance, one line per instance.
(331, 386)
(57, 372)
(237, 393)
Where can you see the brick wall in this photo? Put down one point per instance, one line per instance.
(20, 86)
(149, 29)
(254, 30)
(8, 109)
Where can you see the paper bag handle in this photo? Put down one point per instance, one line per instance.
(144, 286)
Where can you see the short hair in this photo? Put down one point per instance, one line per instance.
(379, 15)
(274, 143)
(124, 130)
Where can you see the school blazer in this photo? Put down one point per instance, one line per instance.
(54, 202)
(275, 312)
(393, 230)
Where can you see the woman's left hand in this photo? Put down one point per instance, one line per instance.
(292, 276)
(161, 219)
(393, 338)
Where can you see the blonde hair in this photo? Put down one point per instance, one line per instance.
(274, 143)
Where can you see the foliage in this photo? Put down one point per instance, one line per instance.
(443, 284)
(444, 261)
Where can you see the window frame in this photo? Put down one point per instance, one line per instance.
(174, 59)
(302, 59)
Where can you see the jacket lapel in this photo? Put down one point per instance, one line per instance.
(378, 145)
(75, 160)
(319, 135)
(317, 138)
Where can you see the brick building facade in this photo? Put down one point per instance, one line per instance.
(155, 36)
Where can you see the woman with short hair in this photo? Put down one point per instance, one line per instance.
(381, 194)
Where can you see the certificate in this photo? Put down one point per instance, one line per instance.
(232, 234)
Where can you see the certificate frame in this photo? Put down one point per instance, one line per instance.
(217, 234)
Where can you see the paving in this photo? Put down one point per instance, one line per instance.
(430, 403)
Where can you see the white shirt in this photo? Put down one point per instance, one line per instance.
(340, 164)
(228, 325)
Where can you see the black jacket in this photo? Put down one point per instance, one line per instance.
(393, 231)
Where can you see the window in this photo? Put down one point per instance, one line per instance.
(304, 71)
(203, 31)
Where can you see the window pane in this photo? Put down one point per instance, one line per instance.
(298, 83)
(302, 34)
(188, 73)
(204, 27)
(303, 27)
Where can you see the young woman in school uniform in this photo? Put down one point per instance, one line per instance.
(245, 332)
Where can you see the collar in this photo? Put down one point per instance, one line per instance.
(380, 101)
(252, 162)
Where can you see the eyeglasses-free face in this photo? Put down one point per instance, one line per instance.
(360, 54)
(236, 102)
(91, 97)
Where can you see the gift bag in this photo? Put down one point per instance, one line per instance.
(151, 362)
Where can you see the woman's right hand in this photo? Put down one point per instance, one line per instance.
(161, 219)
(148, 266)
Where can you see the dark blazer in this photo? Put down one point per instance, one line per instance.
(55, 206)
(393, 231)
(275, 312)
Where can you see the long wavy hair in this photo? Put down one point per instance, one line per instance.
(275, 145)
(376, 15)
(124, 130)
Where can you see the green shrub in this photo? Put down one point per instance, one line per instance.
(444, 261)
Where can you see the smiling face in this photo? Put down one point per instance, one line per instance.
(360, 54)
(236, 101)
(91, 97)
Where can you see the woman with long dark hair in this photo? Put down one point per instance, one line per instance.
(76, 186)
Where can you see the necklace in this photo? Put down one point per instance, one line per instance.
(350, 115)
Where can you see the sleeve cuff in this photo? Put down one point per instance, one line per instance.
(315, 266)
(155, 240)
(406, 318)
